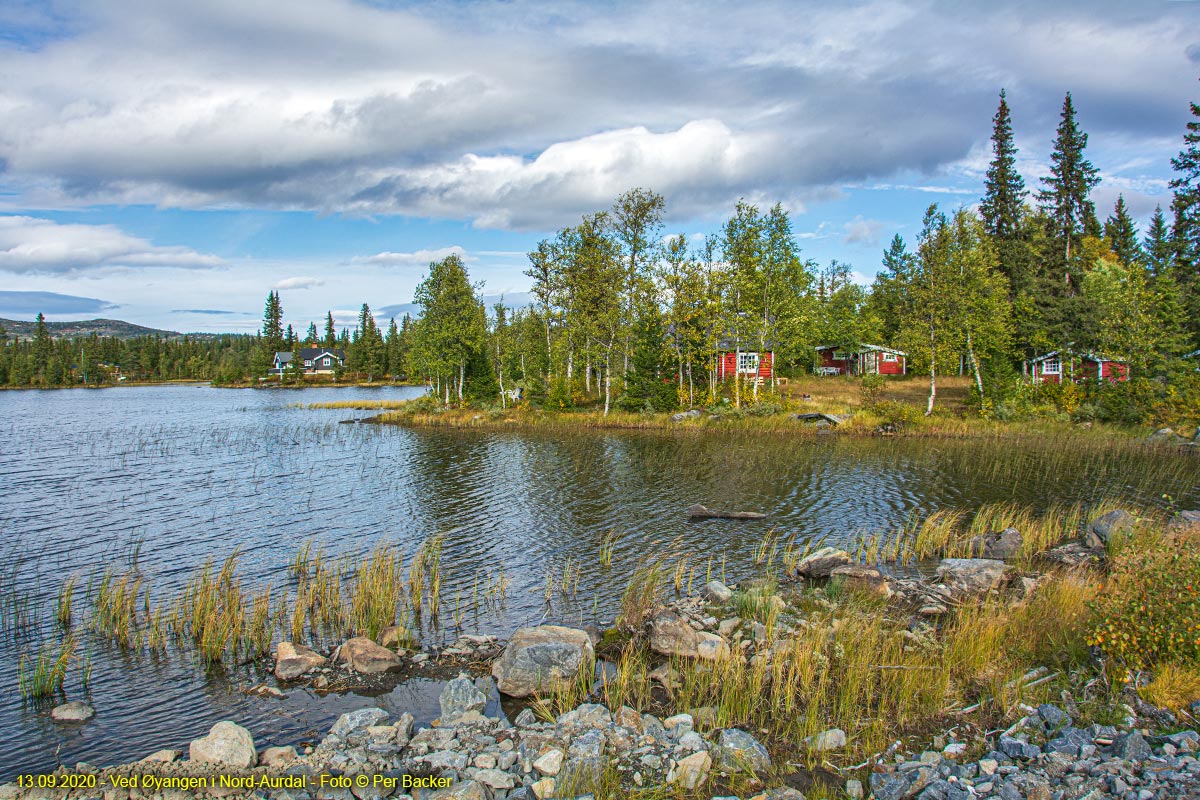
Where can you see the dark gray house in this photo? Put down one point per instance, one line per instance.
(317, 360)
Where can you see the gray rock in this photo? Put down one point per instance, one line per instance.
(525, 718)
(74, 711)
(1001, 545)
(459, 697)
(692, 772)
(1053, 716)
(832, 739)
(1016, 748)
(353, 721)
(588, 745)
(682, 415)
(716, 592)
(671, 635)
(363, 655)
(545, 658)
(889, 785)
(1108, 526)
(741, 751)
(1131, 747)
(293, 660)
(227, 744)
(821, 563)
(862, 580)
(971, 576)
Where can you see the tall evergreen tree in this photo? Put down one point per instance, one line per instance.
(1185, 232)
(1122, 235)
(1158, 247)
(330, 334)
(1066, 196)
(1004, 188)
(310, 338)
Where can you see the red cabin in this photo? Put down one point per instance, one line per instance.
(860, 359)
(746, 364)
(1063, 365)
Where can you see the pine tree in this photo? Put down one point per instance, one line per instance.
(1066, 196)
(43, 349)
(889, 298)
(1004, 188)
(1122, 236)
(310, 338)
(330, 340)
(1158, 247)
(648, 387)
(272, 328)
(1186, 205)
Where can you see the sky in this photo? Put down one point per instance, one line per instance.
(172, 165)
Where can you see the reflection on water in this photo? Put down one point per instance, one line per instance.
(175, 476)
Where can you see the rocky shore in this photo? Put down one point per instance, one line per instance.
(1049, 751)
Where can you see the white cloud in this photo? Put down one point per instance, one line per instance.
(34, 245)
(419, 258)
(863, 231)
(298, 283)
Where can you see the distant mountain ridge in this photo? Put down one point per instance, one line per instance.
(101, 327)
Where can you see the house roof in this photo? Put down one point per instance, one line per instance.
(862, 347)
(310, 354)
(1089, 356)
(1193, 354)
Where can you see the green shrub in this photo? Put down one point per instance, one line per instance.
(1149, 612)
(871, 388)
(895, 414)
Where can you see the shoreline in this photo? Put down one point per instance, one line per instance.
(694, 727)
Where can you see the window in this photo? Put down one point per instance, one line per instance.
(838, 355)
(1052, 366)
(325, 361)
(748, 362)
(308, 362)
(889, 357)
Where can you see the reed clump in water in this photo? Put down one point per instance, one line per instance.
(43, 675)
(115, 606)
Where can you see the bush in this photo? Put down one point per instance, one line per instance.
(871, 388)
(1149, 612)
(895, 414)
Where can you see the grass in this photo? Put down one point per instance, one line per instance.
(42, 675)
(1175, 686)
(642, 594)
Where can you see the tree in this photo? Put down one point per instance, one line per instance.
(1122, 236)
(1127, 328)
(1068, 186)
(636, 221)
(451, 330)
(367, 355)
(330, 339)
(648, 387)
(889, 300)
(1158, 247)
(271, 336)
(310, 338)
(1004, 188)
(43, 350)
(925, 328)
(1185, 233)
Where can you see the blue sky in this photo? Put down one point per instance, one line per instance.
(172, 166)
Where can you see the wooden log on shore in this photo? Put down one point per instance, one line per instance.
(698, 511)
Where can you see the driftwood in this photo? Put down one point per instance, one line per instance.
(700, 512)
(832, 419)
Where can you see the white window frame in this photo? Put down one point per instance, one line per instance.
(308, 362)
(1052, 366)
(325, 361)
(748, 363)
(838, 355)
(891, 358)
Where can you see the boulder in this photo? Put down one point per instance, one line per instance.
(741, 751)
(227, 744)
(353, 721)
(1107, 527)
(463, 790)
(277, 756)
(862, 580)
(74, 711)
(694, 413)
(549, 763)
(692, 772)
(821, 563)
(832, 739)
(1074, 554)
(1001, 545)
(1167, 436)
(459, 697)
(1186, 521)
(671, 635)
(293, 660)
(716, 592)
(363, 655)
(544, 658)
(393, 636)
(971, 576)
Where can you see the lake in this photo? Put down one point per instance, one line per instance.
(171, 477)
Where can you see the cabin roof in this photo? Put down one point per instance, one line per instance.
(862, 347)
(1089, 356)
(309, 354)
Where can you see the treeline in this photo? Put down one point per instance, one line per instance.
(625, 314)
(42, 361)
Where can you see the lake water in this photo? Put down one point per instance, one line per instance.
(178, 475)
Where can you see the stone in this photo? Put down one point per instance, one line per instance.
(1001, 545)
(525, 719)
(1074, 554)
(545, 658)
(74, 711)
(821, 563)
(666, 676)
(854, 789)
(495, 779)
(277, 756)
(353, 721)
(859, 579)
(1186, 520)
(1053, 716)
(1131, 747)
(832, 739)
(671, 635)
(692, 772)
(682, 415)
(459, 697)
(741, 751)
(543, 789)
(549, 763)
(629, 718)
(588, 745)
(162, 757)
(227, 744)
(889, 785)
(971, 576)
(393, 636)
(293, 660)
(463, 790)
(1107, 527)
(363, 655)
(716, 592)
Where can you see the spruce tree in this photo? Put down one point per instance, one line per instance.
(310, 338)
(1158, 247)
(1004, 188)
(1068, 186)
(330, 334)
(1186, 205)
(1122, 236)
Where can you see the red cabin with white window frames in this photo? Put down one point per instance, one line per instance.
(748, 365)
(860, 359)
(1065, 365)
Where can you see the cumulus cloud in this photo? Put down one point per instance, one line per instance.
(298, 282)
(419, 258)
(863, 231)
(547, 109)
(31, 245)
